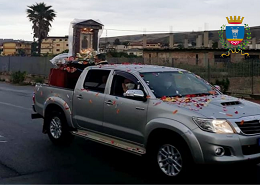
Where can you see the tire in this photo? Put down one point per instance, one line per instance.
(57, 129)
(178, 164)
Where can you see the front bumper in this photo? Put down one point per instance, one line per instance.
(238, 148)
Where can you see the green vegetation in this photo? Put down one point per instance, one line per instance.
(38, 79)
(215, 45)
(41, 17)
(18, 77)
(117, 42)
(224, 84)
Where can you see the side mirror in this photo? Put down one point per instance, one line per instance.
(134, 94)
(217, 87)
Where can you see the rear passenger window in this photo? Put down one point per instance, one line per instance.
(96, 80)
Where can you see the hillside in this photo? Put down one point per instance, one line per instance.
(178, 37)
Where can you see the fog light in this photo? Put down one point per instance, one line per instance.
(219, 151)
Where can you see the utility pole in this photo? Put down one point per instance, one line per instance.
(106, 41)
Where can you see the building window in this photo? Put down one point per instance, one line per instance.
(49, 49)
(54, 39)
(66, 39)
(197, 59)
(67, 45)
(57, 49)
(60, 39)
(58, 44)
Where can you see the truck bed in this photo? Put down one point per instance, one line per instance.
(45, 93)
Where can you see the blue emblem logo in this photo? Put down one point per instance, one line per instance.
(235, 30)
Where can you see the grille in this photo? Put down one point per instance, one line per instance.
(250, 127)
(231, 103)
(250, 149)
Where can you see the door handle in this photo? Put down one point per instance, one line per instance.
(139, 108)
(79, 96)
(109, 102)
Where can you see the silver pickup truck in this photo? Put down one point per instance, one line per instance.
(170, 116)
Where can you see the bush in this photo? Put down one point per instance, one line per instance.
(39, 79)
(18, 77)
(224, 84)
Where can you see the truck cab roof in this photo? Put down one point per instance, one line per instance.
(137, 68)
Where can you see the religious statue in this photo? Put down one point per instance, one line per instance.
(84, 43)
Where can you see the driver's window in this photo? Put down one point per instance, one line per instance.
(122, 83)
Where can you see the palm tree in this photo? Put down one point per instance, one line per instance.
(41, 17)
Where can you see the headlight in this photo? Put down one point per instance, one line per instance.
(214, 125)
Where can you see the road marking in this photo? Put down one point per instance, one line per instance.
(2, 141)
(3, 103)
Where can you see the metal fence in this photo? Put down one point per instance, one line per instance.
(244, 76)
(32, 65)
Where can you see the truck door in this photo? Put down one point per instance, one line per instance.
(124, 118)
(88, 100)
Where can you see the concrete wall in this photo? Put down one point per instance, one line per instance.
(206, 39)
(203, 56)
(183, 56)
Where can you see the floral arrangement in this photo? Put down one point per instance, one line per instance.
(86, 54)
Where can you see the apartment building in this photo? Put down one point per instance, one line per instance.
(16, 47)
(54, 45)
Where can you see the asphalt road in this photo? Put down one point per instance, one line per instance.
(28, 156)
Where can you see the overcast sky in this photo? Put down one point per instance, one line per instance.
(138, 15)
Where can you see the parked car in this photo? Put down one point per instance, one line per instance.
(170, 116)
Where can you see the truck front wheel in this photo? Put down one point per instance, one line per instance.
(170, 159)
(57, 129)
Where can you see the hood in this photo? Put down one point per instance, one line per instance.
(216, 106)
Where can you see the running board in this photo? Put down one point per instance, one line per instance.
(110, 141)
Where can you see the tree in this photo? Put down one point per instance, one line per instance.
(41, 17)
(34, 49)
(117, 42)
(215, 45)
(126, 43)
(21, 52)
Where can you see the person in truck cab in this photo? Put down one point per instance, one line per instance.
(104, 81)
(128, 85)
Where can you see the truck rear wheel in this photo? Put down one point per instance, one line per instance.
(57, 129)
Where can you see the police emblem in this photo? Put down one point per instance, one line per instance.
(235, 33)
(235, 30)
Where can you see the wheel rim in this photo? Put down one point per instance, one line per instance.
(55, 127)
(169, 160)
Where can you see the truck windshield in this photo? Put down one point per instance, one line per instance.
(176, 83)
